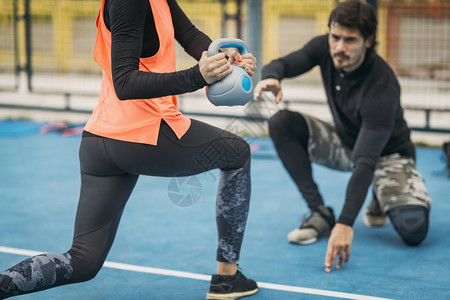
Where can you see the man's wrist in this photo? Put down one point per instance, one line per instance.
(345, 221)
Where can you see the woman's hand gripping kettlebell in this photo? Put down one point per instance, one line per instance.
(229, 89)
(246, 61)
(214, 68)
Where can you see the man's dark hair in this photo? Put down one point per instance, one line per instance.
(356, 14)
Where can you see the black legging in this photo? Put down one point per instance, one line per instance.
(109, 172)
(290, 135)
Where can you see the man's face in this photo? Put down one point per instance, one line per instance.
(347, 47)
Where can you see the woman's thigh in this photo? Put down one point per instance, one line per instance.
(202, 148)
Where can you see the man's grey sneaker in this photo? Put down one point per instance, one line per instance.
(317, 225)
(231, 286)
(374, 215)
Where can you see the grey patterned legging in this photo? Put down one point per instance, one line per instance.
(109, 172)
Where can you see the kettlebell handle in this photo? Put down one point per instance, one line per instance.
(214, 47)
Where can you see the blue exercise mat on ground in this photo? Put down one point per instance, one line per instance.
(165, 251)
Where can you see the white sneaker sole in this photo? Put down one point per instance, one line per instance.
(231, 296)
(375, 221)
(302, 236)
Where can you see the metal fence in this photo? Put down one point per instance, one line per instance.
(8, 46)
(50, 42)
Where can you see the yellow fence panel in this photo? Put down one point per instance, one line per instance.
(63, 33)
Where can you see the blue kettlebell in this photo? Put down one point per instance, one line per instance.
(235, 88)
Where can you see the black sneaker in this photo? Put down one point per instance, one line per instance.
(231, 286)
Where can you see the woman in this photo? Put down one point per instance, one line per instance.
(136, 129)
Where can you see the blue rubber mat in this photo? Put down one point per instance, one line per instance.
(167, 251)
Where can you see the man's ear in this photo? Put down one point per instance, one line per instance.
(370, 41)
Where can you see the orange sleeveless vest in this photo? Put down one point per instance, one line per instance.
(137, 120)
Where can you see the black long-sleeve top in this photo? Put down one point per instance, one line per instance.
(365, 105)
(133, 35)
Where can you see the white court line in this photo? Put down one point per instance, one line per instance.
(174, 273)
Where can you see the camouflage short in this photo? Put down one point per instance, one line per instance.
(396, 181)
(325, 147)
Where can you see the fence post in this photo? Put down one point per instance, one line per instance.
(28, 67)
(254, 43)
(22, 44)
(254, 34)
(231, 11)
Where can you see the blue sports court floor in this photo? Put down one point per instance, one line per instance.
(165, 246)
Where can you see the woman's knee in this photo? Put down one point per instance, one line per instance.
(242, 151)
(410, 222)
(86, 265)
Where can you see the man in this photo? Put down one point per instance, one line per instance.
(368, 137)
